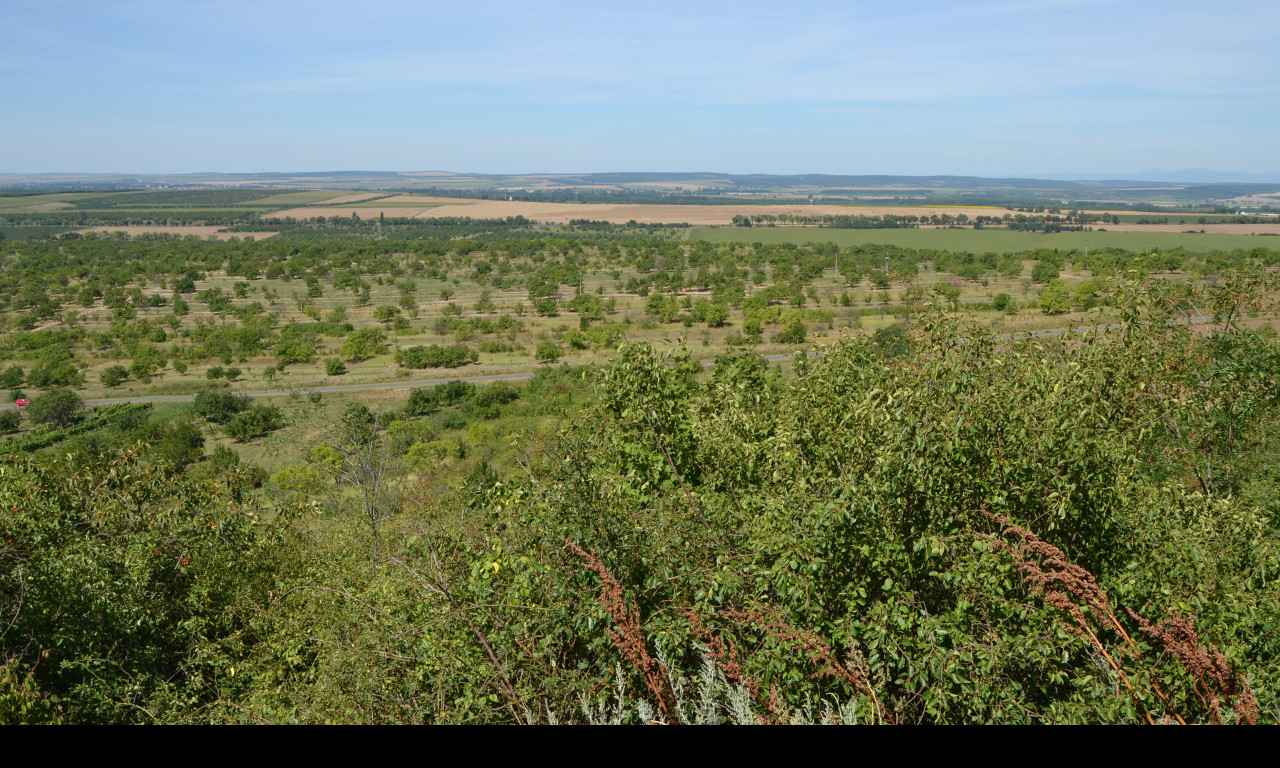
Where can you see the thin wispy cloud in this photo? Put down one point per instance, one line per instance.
(641, 87)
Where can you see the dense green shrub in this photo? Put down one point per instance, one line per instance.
(548, 307)
(547, 352)
(58, 407)
(179, 443)
(12, 377)
(294, 351)
(436, 356)
(794, 333)
(956, 536)
(892, 340)
(1044, 271)
(219, 407)
(125, 591)
(1055, 298)
(364, 344)
(254, 422)
(113, 376)
(488, 401)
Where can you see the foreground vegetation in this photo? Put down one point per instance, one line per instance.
(931, 523)
(759, 475)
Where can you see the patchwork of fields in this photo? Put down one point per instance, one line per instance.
(184, 212)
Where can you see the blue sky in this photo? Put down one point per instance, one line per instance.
(983, 88)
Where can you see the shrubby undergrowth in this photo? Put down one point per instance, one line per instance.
(941, 526)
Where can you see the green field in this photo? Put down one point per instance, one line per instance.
(304, 197)
(47, 202)
(1000, 241)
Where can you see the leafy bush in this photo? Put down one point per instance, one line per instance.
(426, 456)
(422, 402)
(453, 392)
(436, 356)
(1055, 298)
(577, 339)
(891, 340)
(135, 597)
(911, 540)
(294, 351)
(487, 403)
(1044, 272)
(219, 407)
(364, 344)
(255, 422)
(794, 333)
(547, 352)
(179, 444)
(12, 377)
(495, 347)
(58, 407)
(113, 376)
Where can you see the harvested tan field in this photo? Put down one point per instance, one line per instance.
(686, 186)
(1214, 229)
(420, 200)
(1263, 199)
(370, 212)
(45, 207)
(356, 198)
(697, 215)
(202, 232)
(422, 206)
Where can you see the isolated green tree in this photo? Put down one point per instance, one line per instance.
(363, 344)
(113, 376)
(547, 352)
(58, 407)
(1055, 298)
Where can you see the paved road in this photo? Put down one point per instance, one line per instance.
(509, 376)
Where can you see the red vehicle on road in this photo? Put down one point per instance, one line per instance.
(22, 401)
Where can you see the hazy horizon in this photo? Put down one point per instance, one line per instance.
(1187, 176)
(992, 89)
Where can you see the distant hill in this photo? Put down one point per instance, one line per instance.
(1196, 187)
(1188, 176)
